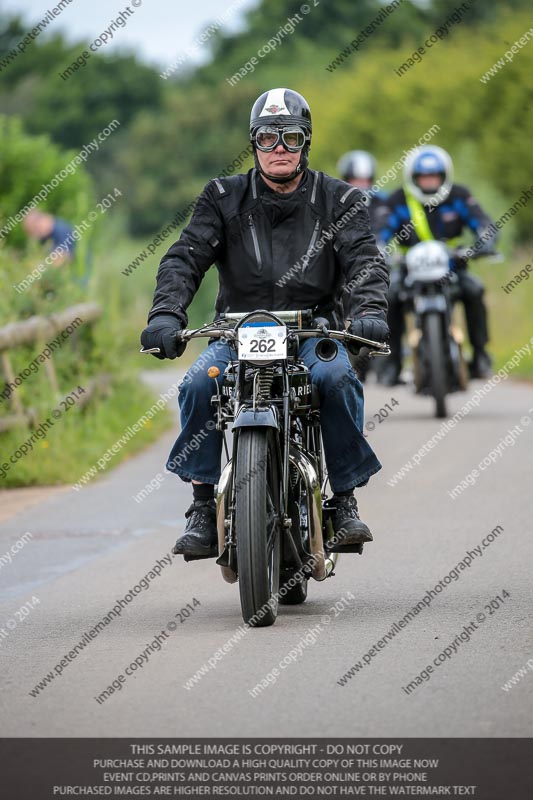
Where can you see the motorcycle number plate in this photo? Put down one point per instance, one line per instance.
(434, 303)
(262, 342)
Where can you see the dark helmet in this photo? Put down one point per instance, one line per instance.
(281, 108)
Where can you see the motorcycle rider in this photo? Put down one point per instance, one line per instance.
(282, 236)
(359, 168)
(431, 206)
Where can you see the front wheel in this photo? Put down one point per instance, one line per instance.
(436, 362)
(257, 525)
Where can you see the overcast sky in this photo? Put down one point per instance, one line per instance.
(159, 30)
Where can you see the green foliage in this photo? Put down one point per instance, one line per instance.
(27, 164)
(326, 29)
(81, 436)
(363, 103)
(168, 159)
(375, 109)
(479, 11)
(177, 134)
(75, 110)
(109, 346)
(107, 88)
(510, 312)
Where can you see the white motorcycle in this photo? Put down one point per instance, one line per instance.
(430, 288)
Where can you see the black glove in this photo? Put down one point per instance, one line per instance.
(459, 259)
(370, 327)
(161, 332)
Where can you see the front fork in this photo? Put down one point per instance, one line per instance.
(225, 499)
(321, 565)
(422, 305)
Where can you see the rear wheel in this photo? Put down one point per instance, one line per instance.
(436, 362)
(257, 525)
(295, 594)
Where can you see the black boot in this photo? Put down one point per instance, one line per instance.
(389, 373)
(200, 539)
(348, 526)
(481, 364)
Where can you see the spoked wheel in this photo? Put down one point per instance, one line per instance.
(293, 584)
(257, 526)
(436, 362)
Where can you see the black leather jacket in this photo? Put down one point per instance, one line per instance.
(277, 251)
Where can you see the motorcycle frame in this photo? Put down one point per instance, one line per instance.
(281, 415)
(310, 474)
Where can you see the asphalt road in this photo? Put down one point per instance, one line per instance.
(89, 548)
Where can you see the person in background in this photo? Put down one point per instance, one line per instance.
(359, 169)
(432, 206)
(46, 228)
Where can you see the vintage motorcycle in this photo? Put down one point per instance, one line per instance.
(273, 516)
(430, 289)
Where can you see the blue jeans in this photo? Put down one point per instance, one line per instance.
(349, 458)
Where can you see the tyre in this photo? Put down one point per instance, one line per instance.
(257, 525)
(436, 362)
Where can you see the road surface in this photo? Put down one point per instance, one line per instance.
(89, 548)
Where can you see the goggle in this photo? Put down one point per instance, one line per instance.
(268, 138)
(432, 172)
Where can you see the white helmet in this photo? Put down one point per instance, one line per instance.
(357, 164)
(428, 160)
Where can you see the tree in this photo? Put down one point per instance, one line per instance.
(75, 110)
(29, 163)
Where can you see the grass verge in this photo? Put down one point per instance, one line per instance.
(81, 436)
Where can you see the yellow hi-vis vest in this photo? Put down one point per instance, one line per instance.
(418, 218)
(421, 222)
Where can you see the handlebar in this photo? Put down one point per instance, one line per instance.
(459, 251)
(296, 317)
(492, 255)
(215, 331)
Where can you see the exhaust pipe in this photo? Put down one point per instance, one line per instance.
(322, 565)
(330, 562)
(301, 462)
(223, 500)
(326, 349)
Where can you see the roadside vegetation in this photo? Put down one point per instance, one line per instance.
(361, 103)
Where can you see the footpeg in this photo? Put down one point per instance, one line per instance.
(346, 548)
(212, 554)
(224, 558)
